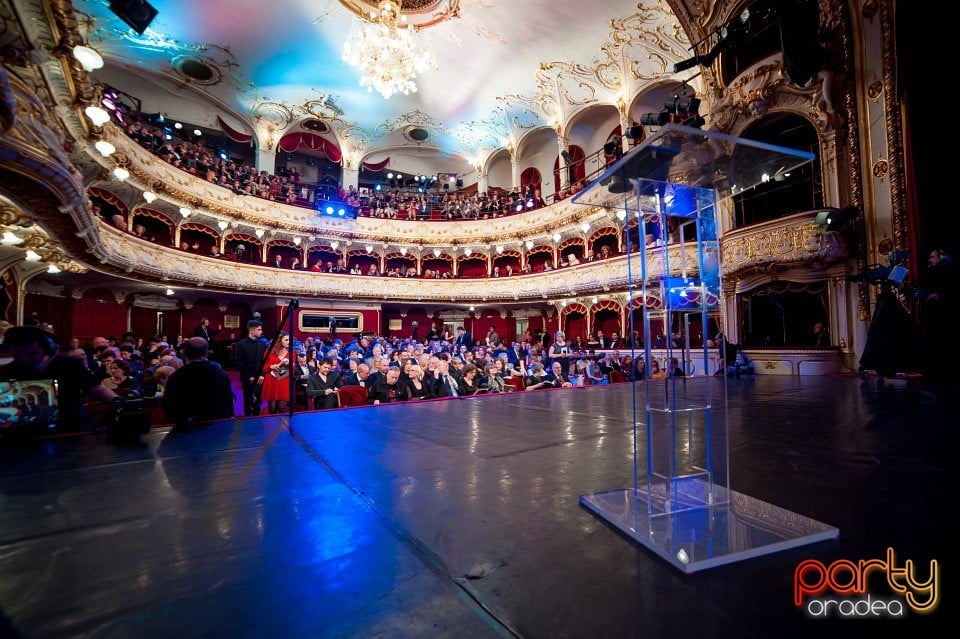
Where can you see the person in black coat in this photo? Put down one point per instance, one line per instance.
(324, 384)
(463, 339)
(248, 355)
(201, 390)
(387, 389)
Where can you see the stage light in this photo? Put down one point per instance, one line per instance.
(136, 13)
(655, 119)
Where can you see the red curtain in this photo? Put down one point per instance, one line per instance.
(293, 141)
(379, 166)
(232, 133)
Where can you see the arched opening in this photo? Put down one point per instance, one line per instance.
(782, 314)
(789, 192)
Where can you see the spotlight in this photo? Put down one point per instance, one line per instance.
(681, 104)
(654, 119)
(136, 13)
(618, 184)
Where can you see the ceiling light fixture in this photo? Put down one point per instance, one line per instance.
(387, 50)
(149, 196)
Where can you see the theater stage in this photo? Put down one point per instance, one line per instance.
(460, 518)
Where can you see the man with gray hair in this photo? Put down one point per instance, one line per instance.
(201, 390)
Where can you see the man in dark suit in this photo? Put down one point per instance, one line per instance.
(324, 384)
(614, 340)
(200, 391)
(463, 338)
(359, 378)
(248, 354)
(443, 383)
(557, 377)
(205, 331)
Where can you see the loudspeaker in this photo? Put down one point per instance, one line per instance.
(136, 13)
(799, 27)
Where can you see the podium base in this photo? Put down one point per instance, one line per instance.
(736, 527)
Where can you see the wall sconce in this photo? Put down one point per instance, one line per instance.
(185, 212)
(149, 196)
(10, 239)
(369, 248)
(468, 252)
(88, 58)
(106, 149)
(499, 250)
(297, 240)
(556, 237)
(258, 233)
(334, 245)
(529, 244)
(121, 173)
(223, 225)
(98, 116)
(436, 252)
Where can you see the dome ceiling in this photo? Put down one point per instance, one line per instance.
(504, 67)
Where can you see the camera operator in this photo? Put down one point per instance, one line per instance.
(35, 356)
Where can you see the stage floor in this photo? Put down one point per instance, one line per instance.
(460, 518)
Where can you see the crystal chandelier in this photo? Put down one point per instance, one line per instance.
(388, 51)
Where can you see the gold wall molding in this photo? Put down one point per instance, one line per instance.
(777, 245)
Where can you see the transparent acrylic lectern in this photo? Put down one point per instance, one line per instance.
(666, 193)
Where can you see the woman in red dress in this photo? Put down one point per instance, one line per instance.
(276, 376)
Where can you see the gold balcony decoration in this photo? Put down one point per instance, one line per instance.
(388, 48)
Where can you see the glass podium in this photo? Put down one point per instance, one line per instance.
(666, 193)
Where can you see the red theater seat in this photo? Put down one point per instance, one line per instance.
(352, 396)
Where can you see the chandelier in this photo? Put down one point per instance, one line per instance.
(388, 51)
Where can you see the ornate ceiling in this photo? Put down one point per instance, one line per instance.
(504, 67)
